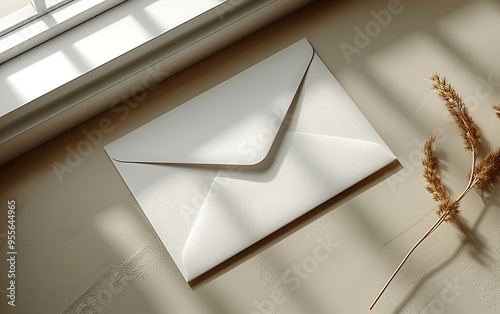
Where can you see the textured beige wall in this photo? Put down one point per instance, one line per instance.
(84, 245)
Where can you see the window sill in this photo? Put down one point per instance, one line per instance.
(121, 52)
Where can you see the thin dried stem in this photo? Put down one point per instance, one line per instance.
(438, 222)
(434, 227)
(481, 176)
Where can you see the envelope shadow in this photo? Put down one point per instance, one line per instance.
(266, 166)
(297, 224)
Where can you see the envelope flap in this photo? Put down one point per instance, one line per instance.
(219, 126)
(307, 171)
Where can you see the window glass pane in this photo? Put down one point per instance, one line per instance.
(10, 6)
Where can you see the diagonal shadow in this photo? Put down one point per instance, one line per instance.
(471, 242)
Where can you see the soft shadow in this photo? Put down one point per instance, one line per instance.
(471, 242)
(300, 222)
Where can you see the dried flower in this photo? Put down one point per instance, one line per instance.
(497, 110)
(431, 173)
(481, 176)
(487, 170)
(448, 210)
(458, 110)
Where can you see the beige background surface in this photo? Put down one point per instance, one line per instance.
(84, 245)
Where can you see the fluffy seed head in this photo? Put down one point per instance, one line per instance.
(458, 110)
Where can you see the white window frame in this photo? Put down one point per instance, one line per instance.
(38, 25)
(28, 13)
(86, 92)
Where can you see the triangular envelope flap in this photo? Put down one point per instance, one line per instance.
(215, 127)
(250, 205)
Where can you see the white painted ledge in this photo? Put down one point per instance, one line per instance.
(84, 71)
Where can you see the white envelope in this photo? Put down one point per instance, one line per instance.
(247, 157)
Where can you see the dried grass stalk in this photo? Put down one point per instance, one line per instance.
(431, 173)
(458, 110)
(447, 208)
(497, 110)
(481, 176)
(487, 170)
